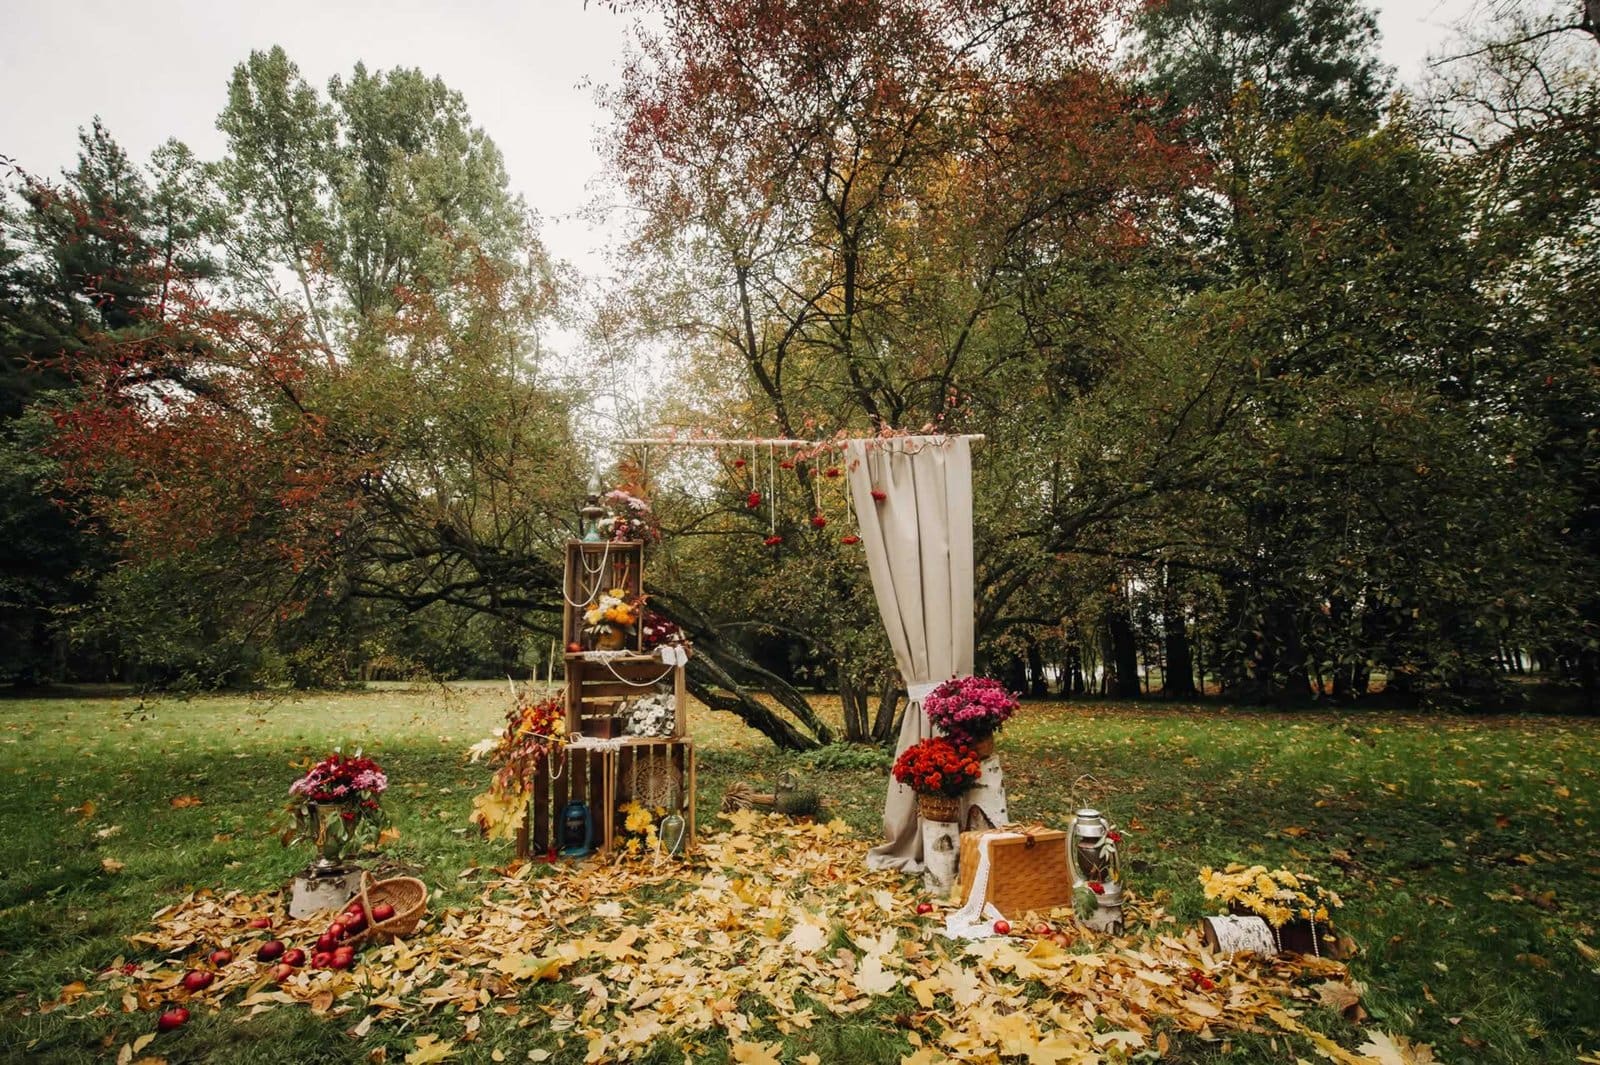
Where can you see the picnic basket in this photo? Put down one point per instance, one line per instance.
(1027, 868)
(408, 896)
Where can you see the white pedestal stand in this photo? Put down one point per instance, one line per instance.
(989, 795)
(941, 848)
(313, 894)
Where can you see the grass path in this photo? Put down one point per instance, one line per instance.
(1467, 848)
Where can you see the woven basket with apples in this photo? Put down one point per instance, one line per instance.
(392, 907)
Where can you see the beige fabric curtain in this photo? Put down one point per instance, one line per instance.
(919, 552)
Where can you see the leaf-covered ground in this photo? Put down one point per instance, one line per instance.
(134, 839)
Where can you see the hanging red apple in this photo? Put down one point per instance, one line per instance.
(786, 464)
(773, 541)
(851, 539)
(172, 1019)
(738, 464)
(753, 500)
(818, 521)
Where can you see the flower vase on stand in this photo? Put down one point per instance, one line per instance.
(328, 882)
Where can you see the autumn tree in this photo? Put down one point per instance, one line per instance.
(857, 210)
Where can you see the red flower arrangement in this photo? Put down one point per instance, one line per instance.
(936, 766)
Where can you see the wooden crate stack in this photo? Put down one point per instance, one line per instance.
(598, 689)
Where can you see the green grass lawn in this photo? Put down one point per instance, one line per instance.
(1467, 849)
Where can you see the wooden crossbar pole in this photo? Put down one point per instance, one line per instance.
(706, 441)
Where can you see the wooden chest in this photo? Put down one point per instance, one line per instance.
(1027, 869)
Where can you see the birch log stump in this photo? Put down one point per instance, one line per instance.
(941, 847)
(988, 795)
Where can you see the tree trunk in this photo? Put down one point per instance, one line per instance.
(886, 725)
(852, 702)
(1072, 682)
(1124, 654)
(1038, 687)
(1177, 682)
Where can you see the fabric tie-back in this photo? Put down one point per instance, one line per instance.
(918, 540)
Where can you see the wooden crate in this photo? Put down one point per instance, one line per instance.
(598, 688)
(577, 774)
(603, 778)
(1027, 872)
(595, 568)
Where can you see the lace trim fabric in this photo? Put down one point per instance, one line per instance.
(976, 919)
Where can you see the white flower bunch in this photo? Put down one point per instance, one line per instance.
(650, 715)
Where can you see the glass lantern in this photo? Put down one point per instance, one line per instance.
(1092, 855)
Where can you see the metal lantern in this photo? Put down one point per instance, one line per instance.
(577, 830)
(1093, 858)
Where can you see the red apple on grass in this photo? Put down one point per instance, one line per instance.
(176, 1017)
(295, 957)
(271, 950)
(924, 907)
(261, 922)
(382, 912)
(221, 956)
(197, 980)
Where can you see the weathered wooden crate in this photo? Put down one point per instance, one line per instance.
(593, 569)
(1027, 872)
(575, 775)
(599, 687)
(605, 779)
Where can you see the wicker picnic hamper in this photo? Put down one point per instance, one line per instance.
(1027, 871)
(408, 896)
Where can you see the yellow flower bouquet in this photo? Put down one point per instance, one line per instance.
(1278, 896)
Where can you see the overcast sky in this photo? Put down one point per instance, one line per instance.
(153, 70)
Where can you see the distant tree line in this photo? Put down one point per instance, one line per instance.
(1289, 381)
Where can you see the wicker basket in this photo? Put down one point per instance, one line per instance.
(1027, 872)
(938, 807)
(408, 896)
